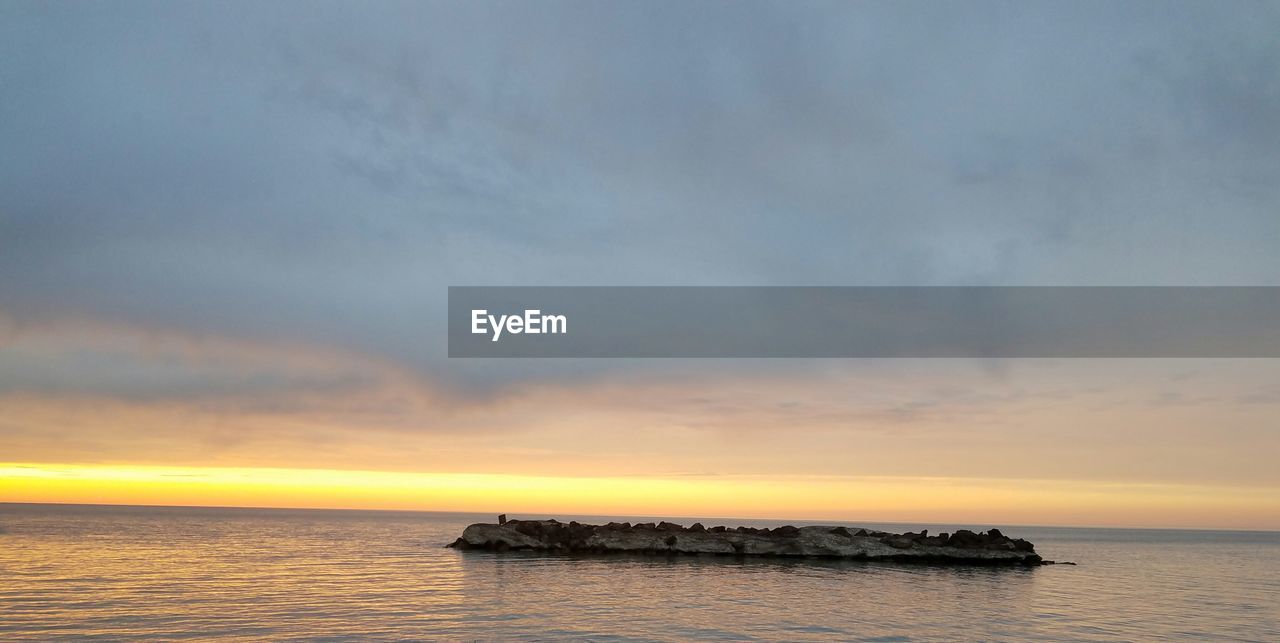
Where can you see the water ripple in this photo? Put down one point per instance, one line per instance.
(86, 572)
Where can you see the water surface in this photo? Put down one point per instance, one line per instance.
(136, 572)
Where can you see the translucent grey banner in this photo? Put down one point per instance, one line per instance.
(985, 322)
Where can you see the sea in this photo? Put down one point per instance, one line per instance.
(134, 573)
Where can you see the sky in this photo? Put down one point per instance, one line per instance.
(227, 230)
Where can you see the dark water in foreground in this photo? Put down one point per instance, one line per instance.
(133, 572)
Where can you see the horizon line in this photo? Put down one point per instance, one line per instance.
(671, 517)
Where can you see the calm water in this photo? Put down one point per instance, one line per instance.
(132, 572)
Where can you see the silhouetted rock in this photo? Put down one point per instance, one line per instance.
(962, 547)
(964, 538)
(903, 541)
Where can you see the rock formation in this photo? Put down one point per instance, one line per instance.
(962, 547)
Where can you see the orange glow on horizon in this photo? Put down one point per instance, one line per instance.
(928, 500)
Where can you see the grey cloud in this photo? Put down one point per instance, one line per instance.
(320, 172)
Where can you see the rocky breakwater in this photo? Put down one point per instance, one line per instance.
(962, 547)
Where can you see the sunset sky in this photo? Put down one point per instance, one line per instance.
(226, 238)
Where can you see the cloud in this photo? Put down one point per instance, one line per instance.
(78, 393)
(242, 220)
(273, 175)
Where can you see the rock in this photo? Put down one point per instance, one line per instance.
(502, 519)
(995, 533)
(528, 528)
(963, 547)
(904, 541)
(965, 538)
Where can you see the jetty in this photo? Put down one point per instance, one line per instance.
(962, 547)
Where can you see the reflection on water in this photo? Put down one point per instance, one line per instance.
(132, 572)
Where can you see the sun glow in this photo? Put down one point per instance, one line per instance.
(784, 497)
